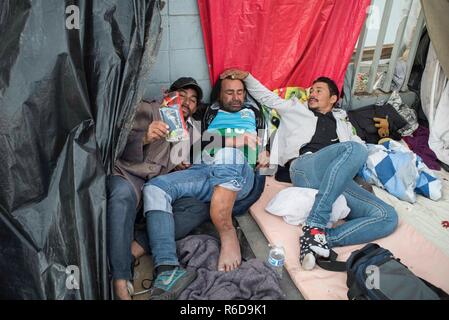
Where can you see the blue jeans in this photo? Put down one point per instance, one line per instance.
(229, 170)
(121, 215)
(331, 171)
(190, 213)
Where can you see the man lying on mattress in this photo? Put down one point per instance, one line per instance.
(323, 152)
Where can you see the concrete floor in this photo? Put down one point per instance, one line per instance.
(253, 244)
(143, 277)
(260, 248)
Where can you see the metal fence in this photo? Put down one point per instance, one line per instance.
(394, 52)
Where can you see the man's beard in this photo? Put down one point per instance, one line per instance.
(232, 109)
(314, 107)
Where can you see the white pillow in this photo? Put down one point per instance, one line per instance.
(294, 205)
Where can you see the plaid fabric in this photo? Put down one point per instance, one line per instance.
(401, 172)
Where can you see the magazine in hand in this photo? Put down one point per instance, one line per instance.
(171, 114)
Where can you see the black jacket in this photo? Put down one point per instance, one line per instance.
(362, 120)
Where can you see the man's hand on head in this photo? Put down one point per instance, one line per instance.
(234, 74)
(156, 130)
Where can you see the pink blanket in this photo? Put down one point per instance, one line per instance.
(419, 254)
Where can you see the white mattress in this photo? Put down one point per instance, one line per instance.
(426, 216)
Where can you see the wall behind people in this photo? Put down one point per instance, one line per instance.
(182, 49)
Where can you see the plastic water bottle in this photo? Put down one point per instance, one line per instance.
(276, 259)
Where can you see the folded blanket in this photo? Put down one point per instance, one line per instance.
(253, 280)
(401, 172)
(294, 205)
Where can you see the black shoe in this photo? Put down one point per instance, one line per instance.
(170, 284)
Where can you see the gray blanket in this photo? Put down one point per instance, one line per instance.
(252, 281)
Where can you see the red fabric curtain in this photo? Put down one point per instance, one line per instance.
(282, 42)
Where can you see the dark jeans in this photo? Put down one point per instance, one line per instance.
(188, 214)
(121, 215)
(242, 206)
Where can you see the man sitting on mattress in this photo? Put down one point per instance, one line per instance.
(324, 153)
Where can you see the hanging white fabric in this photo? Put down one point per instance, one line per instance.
(435, 104)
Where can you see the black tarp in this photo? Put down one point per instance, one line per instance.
(67, 98)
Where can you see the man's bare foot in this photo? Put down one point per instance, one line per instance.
(121, 290)
(221, 214)
(230, 256)
(136, 250)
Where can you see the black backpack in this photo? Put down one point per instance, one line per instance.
(375, 274)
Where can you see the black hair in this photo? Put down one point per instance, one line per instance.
(194, 88)
(215, 93)
(333, 89)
